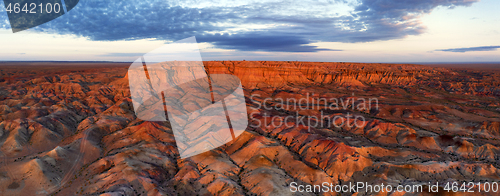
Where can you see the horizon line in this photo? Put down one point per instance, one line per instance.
(444, 62)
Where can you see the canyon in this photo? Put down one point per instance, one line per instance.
(70, 129)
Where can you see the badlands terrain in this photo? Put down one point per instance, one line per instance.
(70, 129)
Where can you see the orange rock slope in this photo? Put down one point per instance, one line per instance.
(70, 129)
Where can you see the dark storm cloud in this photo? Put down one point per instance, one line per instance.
(471, 49)
(371, 20)
(260, 41)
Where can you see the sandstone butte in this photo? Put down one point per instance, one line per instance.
(70, 129)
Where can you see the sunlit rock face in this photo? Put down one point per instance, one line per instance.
(73, 130)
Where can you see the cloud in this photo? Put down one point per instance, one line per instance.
(134, 19)
(394, 19)
(471, 49)
(265, 41)
(4, 19)
(268, 25)
(122, 54)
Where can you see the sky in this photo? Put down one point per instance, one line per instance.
(316, 30)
